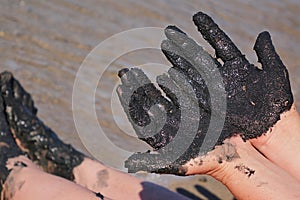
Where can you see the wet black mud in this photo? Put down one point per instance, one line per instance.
(255, 96)
(44, 42)
(99, 195)
(40, 142)
(138, 95)
(8, 146)
(246, 170)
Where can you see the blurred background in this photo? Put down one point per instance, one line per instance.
(43, 43)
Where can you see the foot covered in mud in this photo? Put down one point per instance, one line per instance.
(40, 142)
(8, 147)
(206, 101)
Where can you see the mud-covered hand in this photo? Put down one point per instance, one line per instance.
(253, 97)
(158, 119)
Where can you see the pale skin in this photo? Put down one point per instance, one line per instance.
(273, 157)
(31, 182)
(263, 168)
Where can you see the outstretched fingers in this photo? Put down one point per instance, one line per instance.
(146, 108)
(190, 72)
(137, 94)
(181, 50)
(187, 48)
(224, 47)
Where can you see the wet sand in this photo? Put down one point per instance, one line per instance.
(44, 43)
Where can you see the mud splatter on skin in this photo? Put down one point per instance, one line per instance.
(246, 170)
(40, 142)
(11, 185)
(255, 97)
(226, 152)
(102, 177)
(99, 195)
(20, 164)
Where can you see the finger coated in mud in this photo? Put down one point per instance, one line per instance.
(177, 84)
(181, 63)
(153, 163)
(194, 120)
(187, 48)
(224, 47)
(146, 108)
(138, 95)
(124, 94)
(194, 74)
(190, 89)
(266, 53)
(132, 81)
(133, 77)
(194, 77)
(201, 61)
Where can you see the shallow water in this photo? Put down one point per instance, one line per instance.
(44, 43)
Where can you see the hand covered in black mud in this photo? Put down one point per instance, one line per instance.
(205, 99)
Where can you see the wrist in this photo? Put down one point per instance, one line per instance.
(281, 143)
(282, 132)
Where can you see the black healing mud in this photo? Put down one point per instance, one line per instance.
(255, 96)
(137, 95)
(244, 169)
(8, 147)
(226, 152)
(99, 195)
(40, 142)
(153, 163)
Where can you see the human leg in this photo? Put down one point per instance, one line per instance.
(21, 179)
(118, 185)
(27, 181)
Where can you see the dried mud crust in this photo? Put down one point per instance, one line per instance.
(255, 97)
(40, 142)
